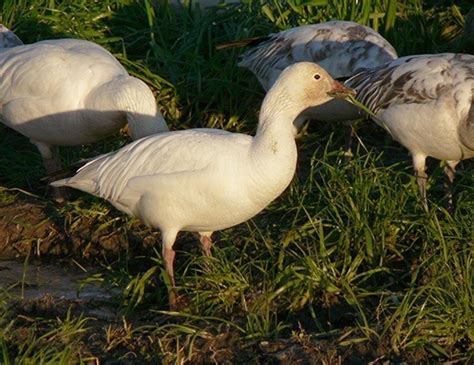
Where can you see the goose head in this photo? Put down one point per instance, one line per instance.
(302, 86)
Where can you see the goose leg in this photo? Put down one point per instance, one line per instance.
(52, 164)
(206, 243)
(51, 160)
(168, 257)
(348, 137)
(419, 165)
(450, 172)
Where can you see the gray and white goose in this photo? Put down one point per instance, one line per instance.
(426, 102)
(342, 48)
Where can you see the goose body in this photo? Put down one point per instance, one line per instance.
(426, 102)
(203, 180)
(342, 48)
(188, 180)
(68, 92)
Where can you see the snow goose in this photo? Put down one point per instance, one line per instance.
(426, 102)
(203, 180)
(342, 48)
(68, 92)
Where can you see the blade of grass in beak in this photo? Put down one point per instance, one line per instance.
(351, 99)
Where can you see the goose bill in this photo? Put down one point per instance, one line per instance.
(341, 91)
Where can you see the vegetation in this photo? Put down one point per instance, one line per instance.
(345, 266)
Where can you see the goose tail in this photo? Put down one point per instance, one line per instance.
(86, 178)
(88, 186)
(67, 171)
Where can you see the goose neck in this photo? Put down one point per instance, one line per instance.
(275, 128)
(133, 98)
(273, 151)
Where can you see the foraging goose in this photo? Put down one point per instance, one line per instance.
(67, 92)
(426, 102)
(203, 180)
(342, 48)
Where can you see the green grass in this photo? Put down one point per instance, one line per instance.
(346, 256)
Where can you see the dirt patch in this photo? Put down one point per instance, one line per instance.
(25, 226)
(112, 338)
(32, 226)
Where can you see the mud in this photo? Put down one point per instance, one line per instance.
(150, 346)
(33, 280)
(31, 226)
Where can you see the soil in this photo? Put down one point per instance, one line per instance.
(146, 347)
(32, 226)
(37, 228)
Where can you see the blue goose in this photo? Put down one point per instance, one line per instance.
(426, 102)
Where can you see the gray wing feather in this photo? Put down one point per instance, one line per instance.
(415, 79)
(342, 48)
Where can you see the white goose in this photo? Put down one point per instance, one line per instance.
(203, 180)
(68, 92)
(426, 103)
(342, 48)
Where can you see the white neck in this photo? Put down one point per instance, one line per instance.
(133, 97)
(273, 149)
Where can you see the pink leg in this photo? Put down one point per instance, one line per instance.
(206, 243)
(168, 257)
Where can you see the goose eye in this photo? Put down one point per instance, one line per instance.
(317, 76)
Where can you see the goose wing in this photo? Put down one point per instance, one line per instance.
(421, 79)
(342, 48)
(63, 69)
(163, 154)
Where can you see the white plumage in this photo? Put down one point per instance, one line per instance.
(426, 102)
(203, 180)
(68, 92)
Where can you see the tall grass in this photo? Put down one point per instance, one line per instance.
(346, 254)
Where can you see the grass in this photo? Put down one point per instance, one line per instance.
(345, 266)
